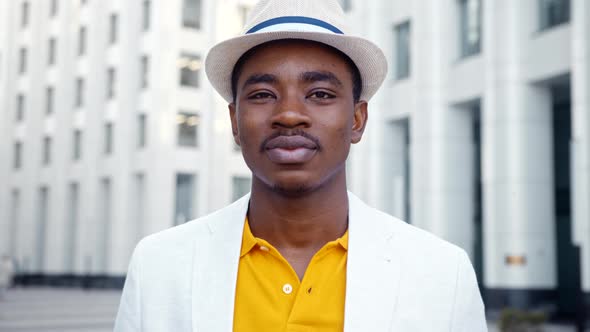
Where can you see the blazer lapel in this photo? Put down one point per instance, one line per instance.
(215, 268)
(373, 269)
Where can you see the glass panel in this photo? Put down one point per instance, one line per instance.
(191, 14)
(20, 107)
(188, 125)
(42, 216)
(470, 13)
(82, 41)
(104, 228)
(53, 10)
(72, 227)
(22, 68)
(108, 138)
(77, 147)
(51, 52)
(79, 92)
(25, 14)
(144, 72)
(553, 12)
(185, 187)
(18, 147)
(240, 186)
(49, 100)
(141, 130)
(403, 54)
(113, 28)
(111, 82)
(46, 150)
(146, 15)
(190, 66)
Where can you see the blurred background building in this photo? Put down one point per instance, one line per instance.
(109, 131)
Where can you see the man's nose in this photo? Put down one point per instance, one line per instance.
(291, 112)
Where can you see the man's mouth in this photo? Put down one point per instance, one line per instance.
(290, 149)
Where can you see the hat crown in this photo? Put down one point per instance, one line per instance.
(328, 11)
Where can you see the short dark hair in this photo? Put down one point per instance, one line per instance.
(357, 84)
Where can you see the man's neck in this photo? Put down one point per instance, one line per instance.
(304, 222)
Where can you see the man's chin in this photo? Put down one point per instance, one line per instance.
(292, 190)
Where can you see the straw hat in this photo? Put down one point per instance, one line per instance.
(322, 21)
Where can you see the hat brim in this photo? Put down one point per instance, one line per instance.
(368, 57)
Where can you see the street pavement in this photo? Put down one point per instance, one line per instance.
(69, 310)
(55, 309)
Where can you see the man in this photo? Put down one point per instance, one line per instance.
(299, 253)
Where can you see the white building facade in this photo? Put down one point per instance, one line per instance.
(481, 135)
(110, 130)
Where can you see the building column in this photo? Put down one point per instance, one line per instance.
(580, 24)
(442, 145)
(519, 225)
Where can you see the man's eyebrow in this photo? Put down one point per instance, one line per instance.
(320, 76)
(260, 78)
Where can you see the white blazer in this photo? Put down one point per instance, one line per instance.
(399, 278)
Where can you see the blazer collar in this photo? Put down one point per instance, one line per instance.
(372, 280)
(215, 268)
(373, 268)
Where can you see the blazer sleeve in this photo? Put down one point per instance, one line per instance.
(468, 310)
(129, 314)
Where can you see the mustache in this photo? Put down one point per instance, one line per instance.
(287, 133)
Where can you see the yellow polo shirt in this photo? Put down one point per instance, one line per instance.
(270, 296)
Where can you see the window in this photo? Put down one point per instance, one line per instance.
(104, 214)
(72, 225)
(185, 187)
(77, 147)
(79, 92)
(145, 24)
(18, 155)
(113, 28)
(22, 66)
(108, 138)
(51, 51)
(141, 130)
(139, 212)
(49, 100)
(470, 26)
(190, 66)
(14, 220)
(188, 125)
(402, 50)
(82, 41)
(553, 12)
(24, 14)
(191, 14)
(46, 150)
(144, 72)
(20, 107)
(41, 227)
(53, 8)
(111, 81)
(240, 186)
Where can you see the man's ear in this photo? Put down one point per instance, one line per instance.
(234, 122)
(359, 121)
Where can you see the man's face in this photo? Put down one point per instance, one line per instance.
(294, 116)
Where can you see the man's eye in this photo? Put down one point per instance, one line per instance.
(322, 95)
(260, 95)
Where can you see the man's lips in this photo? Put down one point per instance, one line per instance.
(290, 149)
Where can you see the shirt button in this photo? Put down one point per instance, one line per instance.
(287, 289)
(264, 248)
